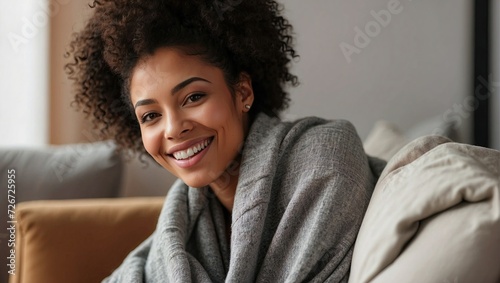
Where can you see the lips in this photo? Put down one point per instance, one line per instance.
(193, 150)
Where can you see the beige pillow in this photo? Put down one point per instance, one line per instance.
(384, 140)
(434, 217)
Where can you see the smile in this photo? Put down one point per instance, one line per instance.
(192, 151)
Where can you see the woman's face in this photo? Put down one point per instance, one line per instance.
(190, 122)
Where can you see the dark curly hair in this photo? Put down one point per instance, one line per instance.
(235, 35)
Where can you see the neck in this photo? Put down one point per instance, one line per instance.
(225, 186)
(225, 189)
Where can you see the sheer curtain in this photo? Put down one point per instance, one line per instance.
(24, 27)
(35, 93)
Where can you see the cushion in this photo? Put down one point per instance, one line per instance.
(145, 178)
(434, 217)
(60, 172)
(385, 139)
(80, 240)
(437, 126)
(63, 172)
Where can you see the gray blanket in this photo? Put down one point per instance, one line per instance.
(302, 192)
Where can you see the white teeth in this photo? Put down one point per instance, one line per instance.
(183, 154)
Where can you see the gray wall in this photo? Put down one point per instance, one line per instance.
(416, 65)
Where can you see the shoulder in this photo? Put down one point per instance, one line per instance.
(309, 152)
(321, 131)
(328, 146)
(304, 130)
(321, 134)
(307, 143)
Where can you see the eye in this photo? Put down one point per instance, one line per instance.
(147, 117)
(194, 97)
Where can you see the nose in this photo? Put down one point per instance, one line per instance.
(176, 126)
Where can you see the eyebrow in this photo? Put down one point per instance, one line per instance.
(145, 102)
(185, 83)
(174, 90)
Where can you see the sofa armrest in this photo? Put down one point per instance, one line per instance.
(79, 240)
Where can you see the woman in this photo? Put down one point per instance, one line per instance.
(198, 85)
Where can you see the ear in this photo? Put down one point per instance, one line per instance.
(244, 92)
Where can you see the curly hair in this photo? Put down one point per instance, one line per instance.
(237, 36)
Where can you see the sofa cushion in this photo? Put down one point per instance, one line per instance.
(62, 172)
(80, 240)
(143, 176)
(386, 139)
(58, 172)
(434, 217)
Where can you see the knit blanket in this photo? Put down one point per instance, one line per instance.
(302, 192)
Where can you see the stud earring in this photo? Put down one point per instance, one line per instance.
(247, 106)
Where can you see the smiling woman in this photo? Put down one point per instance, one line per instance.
(200, 89)
(191, 122)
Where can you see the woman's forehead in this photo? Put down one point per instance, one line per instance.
(171, 62)
(167, 68)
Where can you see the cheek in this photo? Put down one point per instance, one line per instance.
(223, 114)
(215, 115)
(151, 141)
(229, 126)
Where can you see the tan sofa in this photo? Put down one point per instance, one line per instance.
(79, 240)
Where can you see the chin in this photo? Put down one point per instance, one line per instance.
(194, 183)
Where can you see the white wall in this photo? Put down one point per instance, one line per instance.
(416, 66)
(495, 100)
(24, 72)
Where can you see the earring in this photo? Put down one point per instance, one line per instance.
(247, 106)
